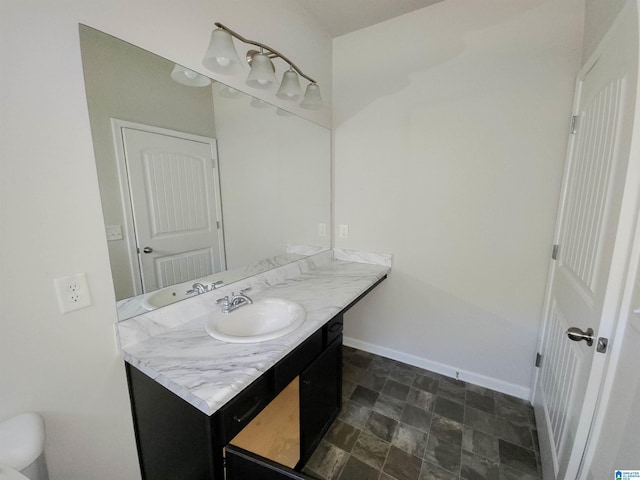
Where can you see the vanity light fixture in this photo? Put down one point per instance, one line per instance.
(221, 57)
(188, 77)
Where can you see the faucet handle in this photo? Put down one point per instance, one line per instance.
(244, 290)
(223, 300)
(212, 286)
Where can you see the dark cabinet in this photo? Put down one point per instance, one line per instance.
(176, 440)
(243, 465)
(320, 397)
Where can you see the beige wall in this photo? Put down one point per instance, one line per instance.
(68, 366)
(275, 172)
(450, 134)
(598, 17)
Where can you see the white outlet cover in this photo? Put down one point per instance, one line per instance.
(72, 292)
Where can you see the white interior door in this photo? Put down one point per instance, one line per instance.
(175, 201)
(584, 283)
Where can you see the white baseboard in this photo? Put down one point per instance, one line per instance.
(446, 370)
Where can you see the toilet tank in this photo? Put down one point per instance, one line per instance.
(22, 445)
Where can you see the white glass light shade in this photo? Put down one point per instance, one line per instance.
(312, 99)
(188, 77)
(226, 91)
(221, 56)
(262, 72)
(290, 86)
(257, 103)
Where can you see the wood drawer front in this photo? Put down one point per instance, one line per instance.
(290, 366)
(332, 329)
(237, 414)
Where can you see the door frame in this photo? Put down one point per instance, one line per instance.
(615, 309)
(125, 194)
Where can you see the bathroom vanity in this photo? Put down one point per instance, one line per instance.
(206, 409)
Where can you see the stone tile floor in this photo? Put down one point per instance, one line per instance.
(402, 422)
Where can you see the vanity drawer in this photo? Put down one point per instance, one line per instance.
(332, 329)
(236, 414)
(290, 366)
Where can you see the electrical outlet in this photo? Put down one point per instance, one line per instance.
(72, 292)
(344, 231)
(322, 229)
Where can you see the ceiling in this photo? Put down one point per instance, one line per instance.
(344, 16)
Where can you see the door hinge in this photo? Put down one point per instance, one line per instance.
(213, 162)
(538, 359)
(574, 125)
(218, 225)
(554, 251)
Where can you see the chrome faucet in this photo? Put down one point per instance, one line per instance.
(235, 302)
(199, 288)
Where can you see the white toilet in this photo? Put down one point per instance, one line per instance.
(22, 448)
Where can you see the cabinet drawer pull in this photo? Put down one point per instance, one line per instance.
(336, 327)
(249, 412)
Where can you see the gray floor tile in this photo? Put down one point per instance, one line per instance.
(402, 465)
(474, 467)
(410, 439)
(354, 414)
(327, 461)
(396, 389)
(449, 409)
(443, 454)
(371, 450)
(357, 469)
(389, 406)
(364, 396)
(342, 435)
(426, 383)
(416, 417)
(517, 434)
(480, 443)
(421, 399)
(430, 471)
(481, 401)
(381, 426)
(447, 430)
(402, 422)
(479, 420)
(518, 458)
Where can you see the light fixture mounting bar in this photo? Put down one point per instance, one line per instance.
(265, 47)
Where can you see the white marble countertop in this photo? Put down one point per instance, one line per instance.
(207, 372)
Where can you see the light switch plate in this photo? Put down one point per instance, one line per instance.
(114, 232)
(344, 231)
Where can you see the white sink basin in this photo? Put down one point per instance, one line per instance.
(163, 297)
(258, 322)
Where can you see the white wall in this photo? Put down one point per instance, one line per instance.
(68, 366)
(450, 132)
(598, 16)
(275, 180)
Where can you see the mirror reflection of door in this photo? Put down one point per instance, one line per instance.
(175, 201)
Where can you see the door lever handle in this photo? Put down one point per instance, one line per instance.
(575, 334)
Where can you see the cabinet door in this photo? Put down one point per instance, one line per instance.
(320, 397)
(243, 465)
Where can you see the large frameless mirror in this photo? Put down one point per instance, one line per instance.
(199, 182)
